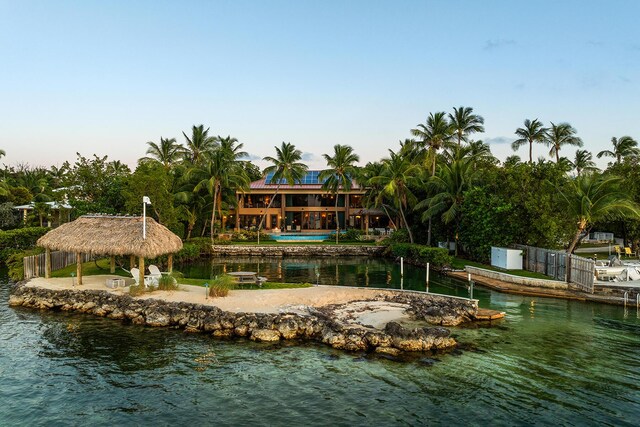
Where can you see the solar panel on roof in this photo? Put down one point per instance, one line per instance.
(310, 178)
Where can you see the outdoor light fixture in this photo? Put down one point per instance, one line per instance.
(145, 201)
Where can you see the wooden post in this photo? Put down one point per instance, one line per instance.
(132, 261)
(112, 266)
(79, 267)
(47, 263)
(170, 263)
(141, 267)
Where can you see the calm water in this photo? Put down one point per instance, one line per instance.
(550, 362)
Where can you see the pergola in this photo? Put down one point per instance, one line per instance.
(113, 236)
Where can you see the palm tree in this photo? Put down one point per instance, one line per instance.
(583, 162)
(533, 131)
(593, 197)
(286, 167)
(2, 153)
(167, 153)
(199, 143)
(216, 172)
(374, 196)
(464, 123)
(340, 173)
(560, 135)
(230, 144)
(396, 177)
(448, 187)
(623, 147)
(434, 134)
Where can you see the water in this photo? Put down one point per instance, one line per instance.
(297, 237)
(550, 362)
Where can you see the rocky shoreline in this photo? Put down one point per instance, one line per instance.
(302, 322)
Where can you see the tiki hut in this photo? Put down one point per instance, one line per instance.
(111, 235)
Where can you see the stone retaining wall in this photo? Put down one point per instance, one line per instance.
(310, 324)
(300, 250)
(510, 278)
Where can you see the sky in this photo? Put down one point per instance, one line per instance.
(104, 78)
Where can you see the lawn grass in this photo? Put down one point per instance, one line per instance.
(460, 264)
(90, 269)
(266, 285)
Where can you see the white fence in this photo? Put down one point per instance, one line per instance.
(34, 265)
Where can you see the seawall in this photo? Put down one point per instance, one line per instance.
(303, 323)
(297, 250)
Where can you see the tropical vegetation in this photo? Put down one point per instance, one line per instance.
(438, 186)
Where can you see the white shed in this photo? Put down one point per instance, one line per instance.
(509, 259)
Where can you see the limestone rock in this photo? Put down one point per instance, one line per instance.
(266, 335)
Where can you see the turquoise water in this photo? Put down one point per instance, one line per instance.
(278, 237)
(550, 362)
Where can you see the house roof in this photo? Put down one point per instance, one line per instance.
(310, 181)
(112, 235)
(52, 205)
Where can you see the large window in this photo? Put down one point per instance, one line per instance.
(261, 201)
(355, 201)
(313, 200)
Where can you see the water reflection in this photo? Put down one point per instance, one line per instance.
(549, 362)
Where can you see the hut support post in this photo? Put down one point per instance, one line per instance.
(170, 263)
(79, 267)
(47, 264)
(132, 261)
(141, 267)
(112, 266)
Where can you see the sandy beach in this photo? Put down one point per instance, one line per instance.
(363, 310)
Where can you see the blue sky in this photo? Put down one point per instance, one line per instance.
(106, 77)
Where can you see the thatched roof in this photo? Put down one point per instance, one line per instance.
(112, 235)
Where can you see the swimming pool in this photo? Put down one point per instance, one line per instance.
(297, 237)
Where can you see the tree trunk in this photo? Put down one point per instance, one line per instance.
(530, 151)
(557, 155)
(213, 211)
(433, 173)
(337, 218)
(389, 216)
(404, 220)
(204, 228)
(267, 210)
(574, 242)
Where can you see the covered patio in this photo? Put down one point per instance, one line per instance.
(111, 236)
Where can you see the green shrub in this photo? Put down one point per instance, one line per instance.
(12, 241)
(168, 283)
(220, 286)
(351, 234)
(398, 236)
(436, 257)
(16, 264)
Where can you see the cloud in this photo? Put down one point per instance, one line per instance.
(498, 140)
(595, 43)
(498, 43)
(251, 157)
(519, 86)
(309, 157)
